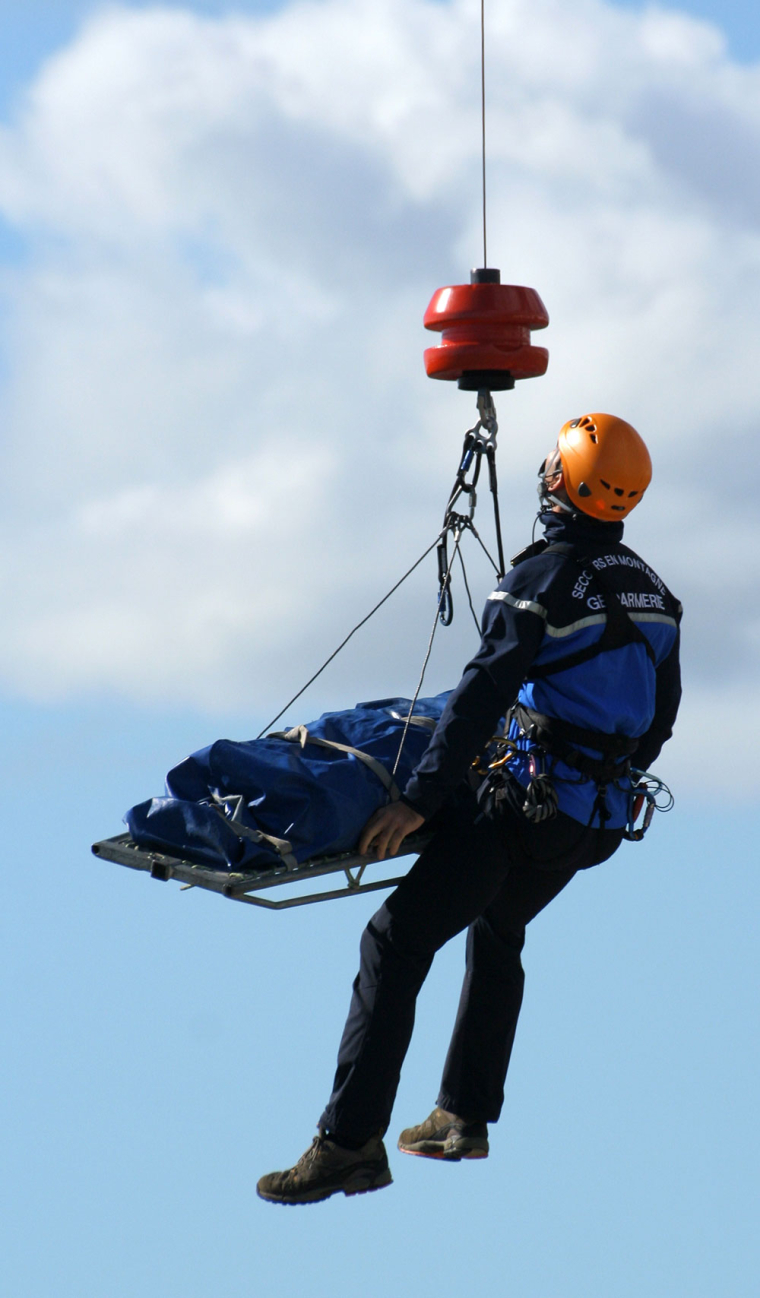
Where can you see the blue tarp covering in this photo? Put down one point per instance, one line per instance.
(317, 798)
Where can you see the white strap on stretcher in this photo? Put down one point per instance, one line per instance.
(300, 735)
(234, 803)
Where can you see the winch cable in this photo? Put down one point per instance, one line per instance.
(483, 117)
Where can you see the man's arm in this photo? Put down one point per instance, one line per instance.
(512, 634)
(467, 723)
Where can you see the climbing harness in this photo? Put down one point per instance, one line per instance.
(560, 740)
(557, 739)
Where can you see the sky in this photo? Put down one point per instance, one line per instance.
(219, 229)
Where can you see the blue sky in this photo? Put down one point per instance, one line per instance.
(218, 447)
(164, 1048)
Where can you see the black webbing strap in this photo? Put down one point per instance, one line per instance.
(564, 740)
(619, 628)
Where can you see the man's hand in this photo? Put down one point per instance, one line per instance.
(386, 830)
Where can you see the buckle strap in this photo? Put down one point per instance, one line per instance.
(234, 803)
(300, 735)
(562, 739)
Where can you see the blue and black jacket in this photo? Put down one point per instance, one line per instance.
(546, 647)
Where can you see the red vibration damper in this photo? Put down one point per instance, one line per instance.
(485, 333)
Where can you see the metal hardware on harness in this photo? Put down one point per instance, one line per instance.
(541, 800)
(454, 523)
(646, 790)
(487, 412)
(501, 742)
(565, 741)
(474, 446)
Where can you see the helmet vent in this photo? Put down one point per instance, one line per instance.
(632, 493)
(618, 491)
(606, 485)
(594, 438)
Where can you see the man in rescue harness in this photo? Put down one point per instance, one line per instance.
(580, 654)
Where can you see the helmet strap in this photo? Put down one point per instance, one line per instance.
(565, 506)
(547, 498)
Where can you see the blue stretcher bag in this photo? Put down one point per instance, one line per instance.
(299, 794)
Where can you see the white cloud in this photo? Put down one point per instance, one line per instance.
(219, 442)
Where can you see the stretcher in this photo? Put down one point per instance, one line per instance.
(247, 886)
(241, 818)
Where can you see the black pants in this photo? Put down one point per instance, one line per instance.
(491, 876)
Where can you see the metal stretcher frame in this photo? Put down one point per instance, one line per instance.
(239, 887)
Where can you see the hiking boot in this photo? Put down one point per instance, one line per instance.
(444, 1135)
(327, 1168)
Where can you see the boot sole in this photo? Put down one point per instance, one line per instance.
(453, 1153)
(318, 1196)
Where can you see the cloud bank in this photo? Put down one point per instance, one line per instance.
(219, 444)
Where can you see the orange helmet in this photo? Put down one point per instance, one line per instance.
(605, 464)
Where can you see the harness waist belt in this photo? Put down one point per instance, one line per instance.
(562, 739)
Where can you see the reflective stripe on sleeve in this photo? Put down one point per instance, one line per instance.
(524, 605)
